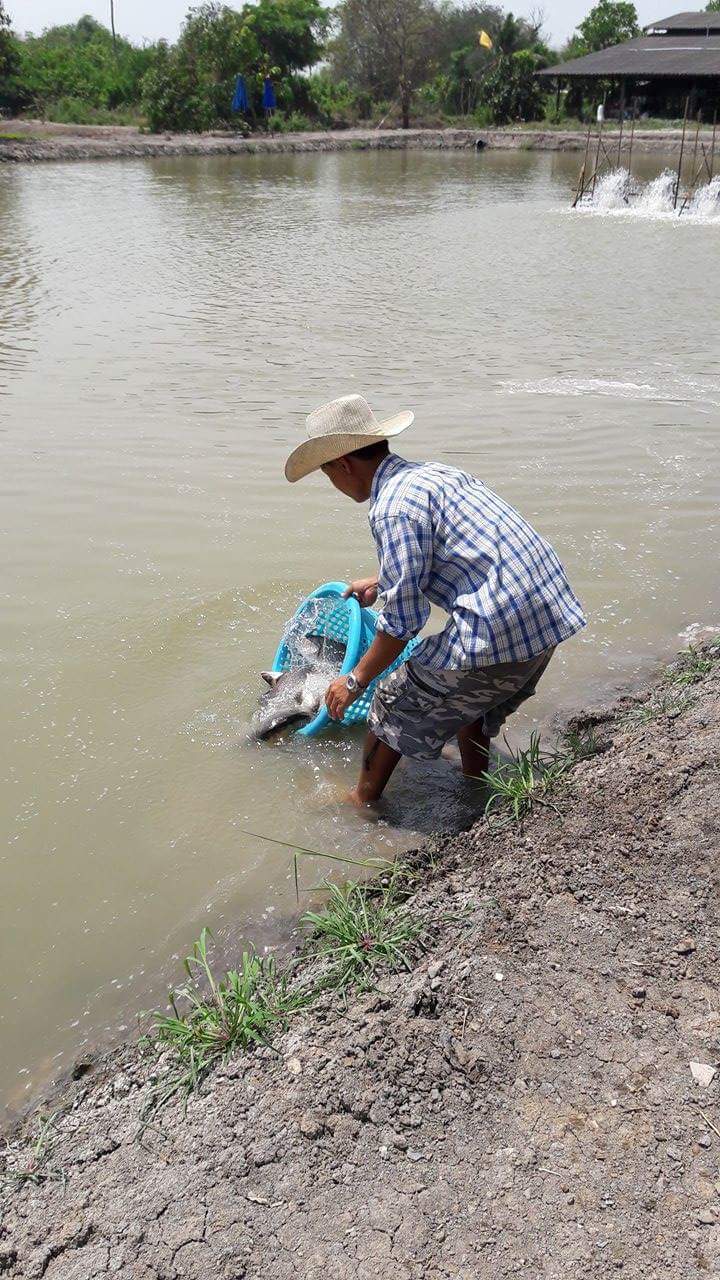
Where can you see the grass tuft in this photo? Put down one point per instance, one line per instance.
(579, 744)
(35, 1166)
(674, 695)
(240, 1010)
(669, 702)
(693, 664)
(365, 929)
(526, 780)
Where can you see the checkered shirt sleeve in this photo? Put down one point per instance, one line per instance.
(405, 553)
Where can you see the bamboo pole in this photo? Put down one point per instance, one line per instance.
(694, 170)
(622, 118)
(597, 156)
(712, 146)
(682, 149)
(112, 22)
(697, 139)
(632, 134)
(581, 180)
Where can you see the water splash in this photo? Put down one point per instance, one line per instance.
(310, 637)
(662, 387)
(705, 203)
(615, 191)
(620, 194)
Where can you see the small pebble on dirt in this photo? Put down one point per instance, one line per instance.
(312, 1124)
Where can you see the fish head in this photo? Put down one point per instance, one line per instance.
(291, 696)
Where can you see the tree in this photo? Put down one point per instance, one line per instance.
(190, 86)
(464, 64)
(713, 7)
(510, 90)
(80, 61)
(289, 33)
(610, 22)
(9, 59)
(385, 47)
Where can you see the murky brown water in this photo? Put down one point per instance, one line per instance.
(165, 326)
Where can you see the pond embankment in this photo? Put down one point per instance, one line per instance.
(538, 1095)
(36, 140)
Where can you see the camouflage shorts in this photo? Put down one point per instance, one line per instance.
(416, 710)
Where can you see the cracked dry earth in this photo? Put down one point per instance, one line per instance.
(521, 1104)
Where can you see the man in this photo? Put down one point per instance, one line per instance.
(442, 538)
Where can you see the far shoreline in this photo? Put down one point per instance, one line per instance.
(33, 141)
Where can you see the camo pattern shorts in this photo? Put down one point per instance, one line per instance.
(416, 710)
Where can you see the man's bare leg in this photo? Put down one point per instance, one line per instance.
(474, 747)
(379, 761)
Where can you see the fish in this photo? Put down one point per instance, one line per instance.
(297, 695)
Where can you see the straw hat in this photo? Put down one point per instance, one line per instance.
(340, 427)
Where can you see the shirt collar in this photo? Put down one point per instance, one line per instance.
(386, 468)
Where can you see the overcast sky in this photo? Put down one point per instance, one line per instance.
(149, 19)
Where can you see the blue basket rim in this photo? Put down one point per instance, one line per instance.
(331, 591)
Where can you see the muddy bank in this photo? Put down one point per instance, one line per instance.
(537, 1097)
(35, 140)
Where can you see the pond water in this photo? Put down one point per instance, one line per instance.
(164, 327)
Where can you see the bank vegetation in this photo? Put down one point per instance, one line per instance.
(364, 62)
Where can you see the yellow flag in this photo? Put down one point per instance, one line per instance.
(484, 40)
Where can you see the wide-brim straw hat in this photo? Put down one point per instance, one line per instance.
(341, 427)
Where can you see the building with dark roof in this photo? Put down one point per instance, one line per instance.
(675, 57)
(686, 24)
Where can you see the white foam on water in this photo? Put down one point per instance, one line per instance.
(619, 194)
(705, 203)
(663, 388)
(615, 191)
(578, 387)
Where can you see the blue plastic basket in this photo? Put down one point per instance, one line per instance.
(348, 625)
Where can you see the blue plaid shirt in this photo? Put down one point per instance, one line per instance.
(443, 538)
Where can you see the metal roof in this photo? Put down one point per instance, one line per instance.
(648, 58)
(687, 22)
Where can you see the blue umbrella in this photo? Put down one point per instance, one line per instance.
(240, 100)
(268, 97)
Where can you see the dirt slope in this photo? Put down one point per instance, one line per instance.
(522, 1104)
(38, 140)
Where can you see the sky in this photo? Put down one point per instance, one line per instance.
(150, 19)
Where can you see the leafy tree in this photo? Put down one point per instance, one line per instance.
(713, 7)
(331, 103)
(385, 47)
(289, 33)
(190, 86)
(460, 58)
(9, 60)
(463, 62)
(510, 91)
(610, 22)
(80, 61)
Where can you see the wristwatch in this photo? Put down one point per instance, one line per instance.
(353, 684)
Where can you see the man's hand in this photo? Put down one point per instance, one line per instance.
(338, 698)
(365, 591)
